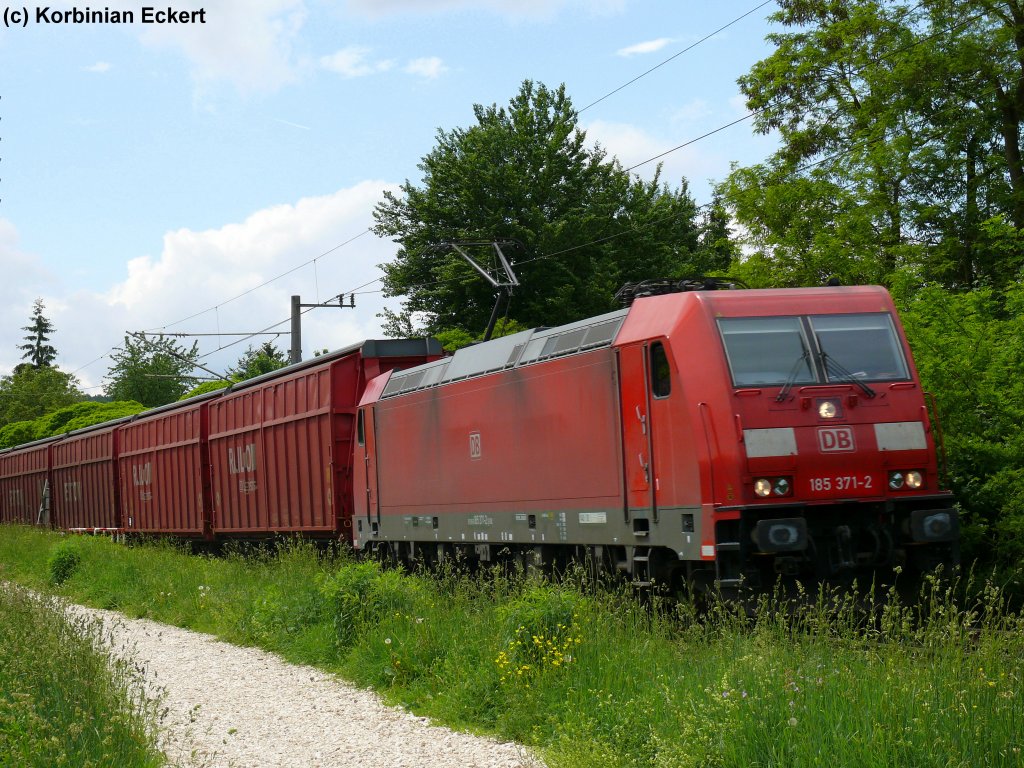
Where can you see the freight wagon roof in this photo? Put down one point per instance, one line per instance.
(29, 446)
(368, 348)
(95, 428)
(179, 404)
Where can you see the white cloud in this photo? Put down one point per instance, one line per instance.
(649, 46)
(693, 113)
(245, 42)
(430, 67)
(100, 67)
(197, 270)
(354, 61)
(201, 271)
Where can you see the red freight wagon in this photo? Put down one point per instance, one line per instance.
(281, 444)
(23, 483)
(85, 492)
(163, 465)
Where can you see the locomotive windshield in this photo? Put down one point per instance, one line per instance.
(766, 350)
(865, 345)
(812, 349)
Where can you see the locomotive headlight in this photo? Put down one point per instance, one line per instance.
(895, 480)
(763, 487)
(782, 486)
(827, 409)
(913, 479)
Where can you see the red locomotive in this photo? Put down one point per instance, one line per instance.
(709, 435)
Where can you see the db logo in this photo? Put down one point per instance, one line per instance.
(836, 440)
(475, 447)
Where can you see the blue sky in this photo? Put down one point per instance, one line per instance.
(151, 173)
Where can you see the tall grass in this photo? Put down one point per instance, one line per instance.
(64, 701)
(589, 675)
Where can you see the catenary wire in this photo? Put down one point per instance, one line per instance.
(755, 112)
(358, 291)
(265, 282)
(676, 55)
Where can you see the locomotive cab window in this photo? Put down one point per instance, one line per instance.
(812, 349)
(763, 351)
(859, 346)
(661, 374)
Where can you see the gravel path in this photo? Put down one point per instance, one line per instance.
(245, 708)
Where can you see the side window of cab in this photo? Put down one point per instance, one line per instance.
(661, 372)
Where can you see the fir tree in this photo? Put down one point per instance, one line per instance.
(37, 350)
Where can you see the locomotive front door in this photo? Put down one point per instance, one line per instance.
(636, 431)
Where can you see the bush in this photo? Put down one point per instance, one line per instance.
(539, 629)
(17, 433)
(64, 561)
(362, 594)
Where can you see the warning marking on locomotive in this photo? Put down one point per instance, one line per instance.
(836, 440)
(591, 518)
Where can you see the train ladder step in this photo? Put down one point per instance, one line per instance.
(642, 570)
(729, 551)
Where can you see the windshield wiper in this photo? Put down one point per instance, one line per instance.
(843, 375)
(791, 379)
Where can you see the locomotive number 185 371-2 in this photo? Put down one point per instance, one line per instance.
(841, 483)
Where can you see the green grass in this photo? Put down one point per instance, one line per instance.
(589, 676)
(64, 701)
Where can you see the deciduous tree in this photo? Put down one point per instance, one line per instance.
(256, 361)
(30, 392)
(900, 129)
(525, 173)
(153, 372)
